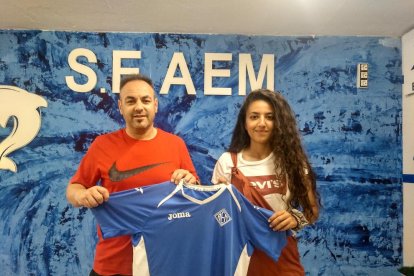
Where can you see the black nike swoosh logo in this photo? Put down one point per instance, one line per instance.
(115, 175)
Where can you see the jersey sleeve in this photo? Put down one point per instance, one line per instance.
(222, 168)
(126, 212)
(260, 234)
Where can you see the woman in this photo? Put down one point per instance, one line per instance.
(267, 163)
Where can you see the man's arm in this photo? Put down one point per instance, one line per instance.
(186, 170)
(80, 196)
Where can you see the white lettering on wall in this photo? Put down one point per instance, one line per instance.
(177, 73)
(210, 73)
(82, 69)
(117, 57)
(267, 66)
(178, 60)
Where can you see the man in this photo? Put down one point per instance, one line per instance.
(135, 156)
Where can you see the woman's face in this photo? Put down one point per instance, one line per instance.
(259, 122)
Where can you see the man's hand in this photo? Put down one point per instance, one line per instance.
(282, 221)
(92, 197)
(183, 174)
(80, 196)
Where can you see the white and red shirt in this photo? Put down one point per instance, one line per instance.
(261, 175)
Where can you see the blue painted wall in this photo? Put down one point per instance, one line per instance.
(353, 137)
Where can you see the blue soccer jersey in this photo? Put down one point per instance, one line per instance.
(189, 230)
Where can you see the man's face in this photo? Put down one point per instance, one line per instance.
(138, 105)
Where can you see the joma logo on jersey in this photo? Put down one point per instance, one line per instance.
(179, 215)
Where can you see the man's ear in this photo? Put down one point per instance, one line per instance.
(156, 105)
(120, 107)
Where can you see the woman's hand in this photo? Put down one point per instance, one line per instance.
(282, 221)
(183, 174)
(222, 180)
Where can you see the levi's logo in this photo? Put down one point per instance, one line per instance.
(179, 215)
(116, 175)
(268, 184)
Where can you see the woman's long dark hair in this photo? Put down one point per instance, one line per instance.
(290, 158)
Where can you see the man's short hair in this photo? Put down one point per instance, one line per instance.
(127, 78)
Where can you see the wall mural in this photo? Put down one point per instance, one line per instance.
(21, 106)
(63, 81)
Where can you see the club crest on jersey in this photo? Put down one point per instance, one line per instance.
(222, 217)
(179, 215)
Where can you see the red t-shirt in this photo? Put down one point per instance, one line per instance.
(120, 162)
